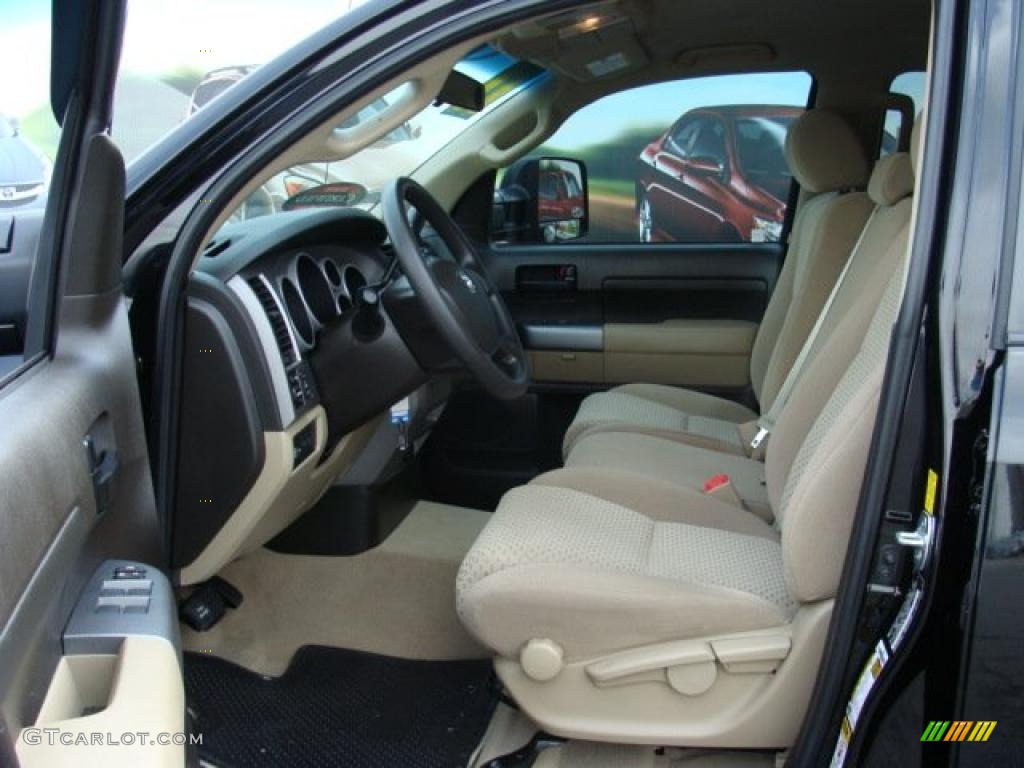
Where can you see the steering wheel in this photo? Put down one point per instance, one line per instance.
(455, 293)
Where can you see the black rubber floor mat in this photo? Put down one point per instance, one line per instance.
(334, 707)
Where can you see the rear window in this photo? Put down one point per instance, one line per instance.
(907, 88)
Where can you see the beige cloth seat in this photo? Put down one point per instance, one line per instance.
(604, 563)
(628, 607)
(673, 463)
(605, 558)
(623, 608)
(879, 254)
(828, 161)
(601, 559)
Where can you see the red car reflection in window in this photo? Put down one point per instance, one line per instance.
(719, 174)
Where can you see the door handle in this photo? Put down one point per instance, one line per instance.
(667, 169)
(546, 278)
(103, 461)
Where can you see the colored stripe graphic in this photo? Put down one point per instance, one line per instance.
(958, 730)
(982, 730)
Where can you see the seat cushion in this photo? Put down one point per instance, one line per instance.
(658, 500)
(672, 463)
(668, 412)
(595, 576)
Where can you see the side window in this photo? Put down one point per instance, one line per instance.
(907, 97)
(549, 186)
(572, 185)
(710, 142)
(700, 160)
(29, 135)
(682, 138)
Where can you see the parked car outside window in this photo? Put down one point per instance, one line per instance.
(719, 175)
(700, 160)
(24, 171)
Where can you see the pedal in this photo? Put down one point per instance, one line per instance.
(208, 603)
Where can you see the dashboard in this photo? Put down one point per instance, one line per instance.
(290, 365)
(294, 287)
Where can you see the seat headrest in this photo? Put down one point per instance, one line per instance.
(824, 154)
(915, 144)
(892, 180)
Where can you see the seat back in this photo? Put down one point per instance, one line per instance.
(818, 450)
(828, 161)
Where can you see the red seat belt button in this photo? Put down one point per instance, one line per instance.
(717, 481)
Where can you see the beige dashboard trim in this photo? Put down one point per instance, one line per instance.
(280, 494)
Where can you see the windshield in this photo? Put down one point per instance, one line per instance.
(177, 56)
(400, 152)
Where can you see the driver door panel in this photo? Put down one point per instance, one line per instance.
(67, 507)
(74, 466)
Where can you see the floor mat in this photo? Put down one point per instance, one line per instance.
(340, 707)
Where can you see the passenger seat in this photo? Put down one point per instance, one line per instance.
(878, 255)
(633, 610)
(826, 159)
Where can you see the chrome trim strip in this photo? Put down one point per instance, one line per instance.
(278, 376)
(1009, 410)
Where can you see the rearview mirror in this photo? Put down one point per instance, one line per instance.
(460, 90)
(542, 200)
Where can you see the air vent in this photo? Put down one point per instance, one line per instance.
(278, 323)
(216, 248)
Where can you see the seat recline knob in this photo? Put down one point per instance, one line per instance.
(542, 660)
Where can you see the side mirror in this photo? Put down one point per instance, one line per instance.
(542, 200)
(704, 166)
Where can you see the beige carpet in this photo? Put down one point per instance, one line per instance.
(397, 599)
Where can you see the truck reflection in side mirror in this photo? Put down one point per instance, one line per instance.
(542, 200)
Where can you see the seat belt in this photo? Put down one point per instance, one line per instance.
(766, 423)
